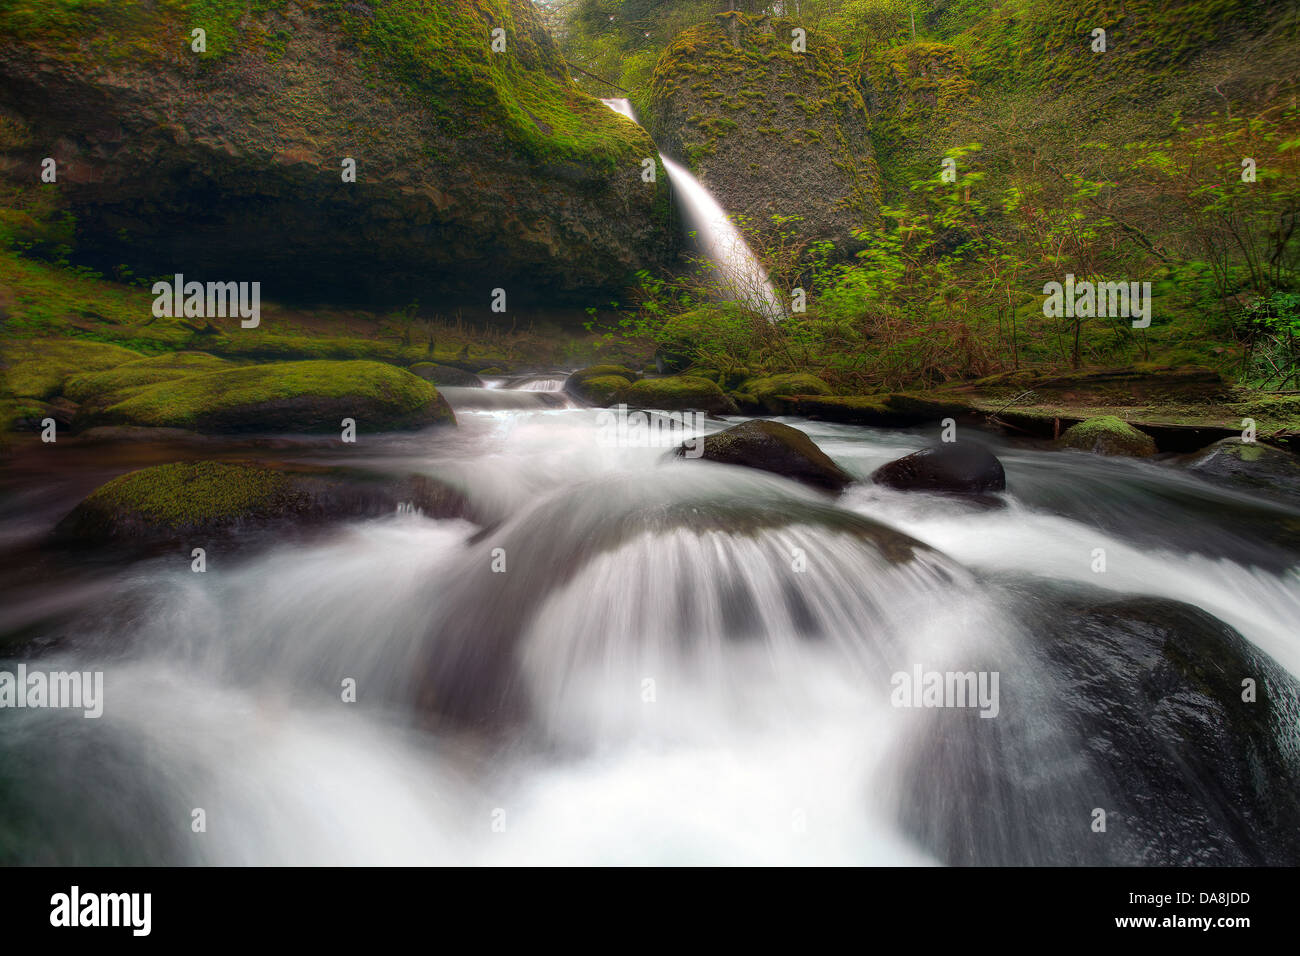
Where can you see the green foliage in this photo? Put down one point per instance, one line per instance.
(1271, 326)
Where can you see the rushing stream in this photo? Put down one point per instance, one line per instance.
(651, 679)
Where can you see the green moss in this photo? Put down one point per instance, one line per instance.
(16, 410)
(300, 396)
(440, 50)
(678, 393)
(600, 384)
(751, 67)
(767, 390)
(111, 386)
(190, 494)
(596, 371)
(603, 389)
(50, 300)
(39, 368)
(1108, 435)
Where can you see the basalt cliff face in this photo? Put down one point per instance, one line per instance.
(771, 131)
(476, 168)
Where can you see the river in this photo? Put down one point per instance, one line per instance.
(680, 662)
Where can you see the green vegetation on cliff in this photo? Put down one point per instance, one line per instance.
(1014, 150)
(442, 49)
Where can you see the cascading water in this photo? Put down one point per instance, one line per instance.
(741, 275)
(678, 662)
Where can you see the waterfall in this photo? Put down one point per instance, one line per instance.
(740, 273)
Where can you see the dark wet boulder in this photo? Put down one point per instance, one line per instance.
(446, 375)
(1249, 466)
(184, 501)
(1136, 707)
(949, 467)
(771, 446)
(1108, 435)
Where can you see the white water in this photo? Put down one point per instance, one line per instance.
(769, 738)
(741, 276)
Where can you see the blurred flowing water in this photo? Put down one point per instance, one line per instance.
(682, 662)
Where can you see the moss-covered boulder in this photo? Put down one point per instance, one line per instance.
(599, 384)
(39, 368)
(771, 446)
(474, 169)
(189, 497)
(769, 131)
(679, 393)
(770, 391)
(1108, 435)
(96, 391)
(286, 396)
(446, 375)
(1249, 466)
(200, 498)
(955, 468)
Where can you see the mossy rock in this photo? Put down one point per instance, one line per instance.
(772, 132)
(774, 447)
(287, 396)
(179, 498)
(604, 389)
(99, 390)
(39, 368)
(769, 390)
(399, 84)
(22, 414)
(492, 370)
(1249, 466)
(201, 498)
(1108, 435)
(446, 375)
(599, 384)
(679, 393)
